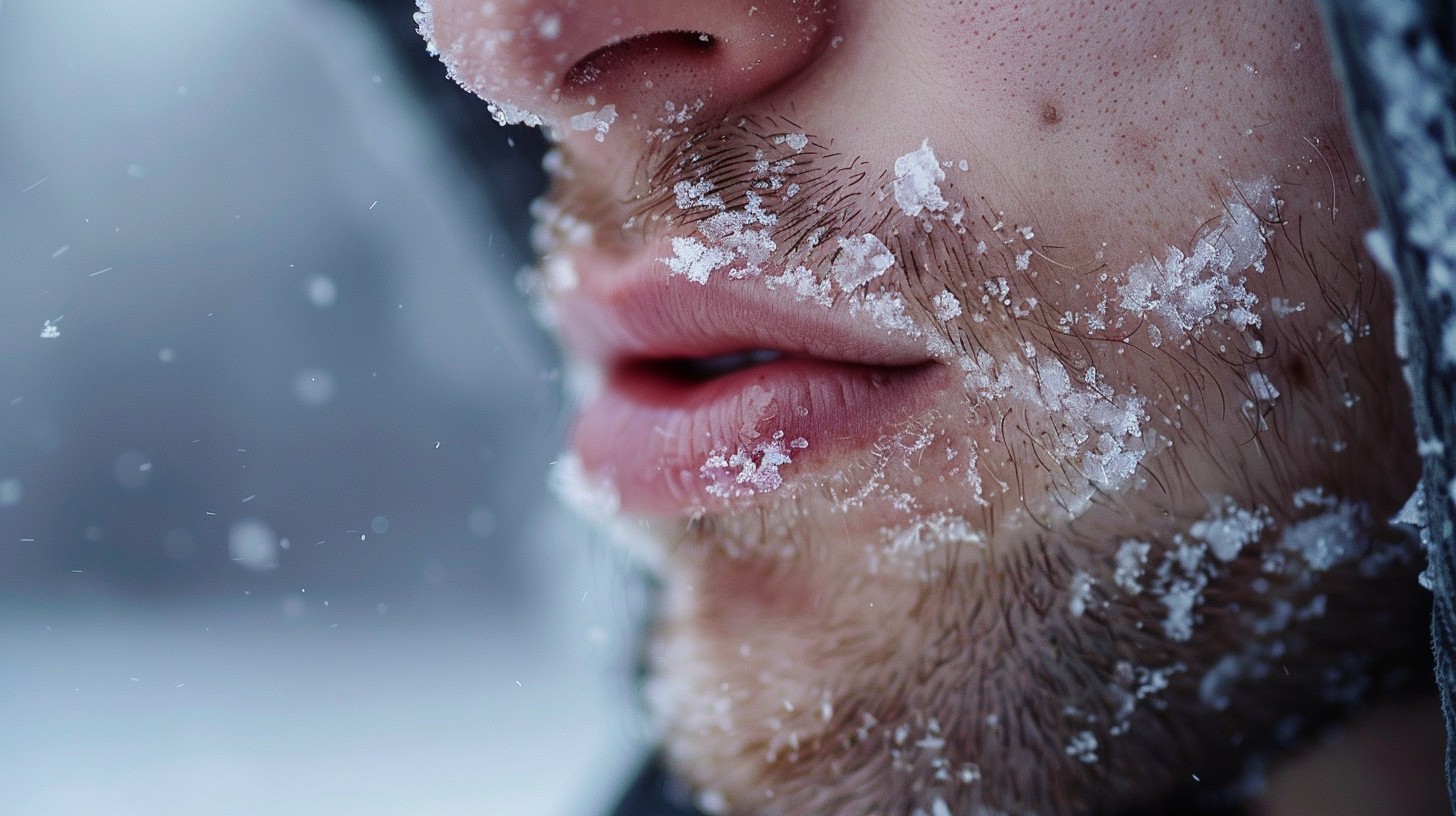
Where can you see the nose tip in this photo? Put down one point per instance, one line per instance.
(588, 65)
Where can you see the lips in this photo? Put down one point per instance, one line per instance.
(717, 395)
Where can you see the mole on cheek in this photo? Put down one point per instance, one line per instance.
(1296, 370)
(1051, 115)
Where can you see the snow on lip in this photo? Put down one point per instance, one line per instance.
(673, 444)
(611, 317)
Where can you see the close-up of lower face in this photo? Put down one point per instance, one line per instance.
(1001, 391)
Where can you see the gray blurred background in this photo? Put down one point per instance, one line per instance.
(274, 430)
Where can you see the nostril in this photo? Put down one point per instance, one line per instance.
(659, 46)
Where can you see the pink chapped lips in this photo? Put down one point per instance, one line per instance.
(717, 393)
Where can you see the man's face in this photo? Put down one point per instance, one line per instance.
(1000, 388)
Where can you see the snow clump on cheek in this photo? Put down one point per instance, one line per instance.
(1185, 292)
(915, 186)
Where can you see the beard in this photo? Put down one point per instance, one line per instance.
(1139, 546)
(1070, 671)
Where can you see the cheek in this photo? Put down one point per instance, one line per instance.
(1114, 119)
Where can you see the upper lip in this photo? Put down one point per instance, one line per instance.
(636, 312)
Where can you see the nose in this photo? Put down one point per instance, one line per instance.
(594, 65)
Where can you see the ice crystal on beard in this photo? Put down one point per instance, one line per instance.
(947, 308)
(1180, 596)
(1131, 684)
(1262, 387)
(908, 545)
(1186, 292)
(860, 260)
(1131, 557)
(804, 284)
(1081, 593)
(916, 187)
(1088, 423)
(1229, 528)
(749, 470)
(1216, 688)
(696, 260)
(1083, 747)
(796, 142)
(1283, 307)
(1186, 570)
(1331, 538)
(887, 310)
(736, 239)
(691, 194)
(599, 121)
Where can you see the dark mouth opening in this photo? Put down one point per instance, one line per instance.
(692, 370)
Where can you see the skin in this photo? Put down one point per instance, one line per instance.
(934, 617)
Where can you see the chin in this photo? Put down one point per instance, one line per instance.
(1013, 676)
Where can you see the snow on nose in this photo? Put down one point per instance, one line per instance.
(591, 66)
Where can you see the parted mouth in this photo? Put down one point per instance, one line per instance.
(719, 394)
(696, 370)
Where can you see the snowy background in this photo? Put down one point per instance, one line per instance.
(274, 428)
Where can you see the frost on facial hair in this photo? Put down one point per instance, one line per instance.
(947, 308)
(916, 186)
(1081, 593)
(804, 284)
(907, 546)
(1083, 747)
(673, 121)
(1228, 528)
(1087, 422)
(1334, 531)
(1186, 292)
(1186, 568)
(1131, 684)
(796, 141)
(736, 239)
(888, 311)
(860, 260)
(597, 120)
(1334, 536)
(751, 469)
(1132, 556)
(504, 113)
(1262, 387)
(1305, 550)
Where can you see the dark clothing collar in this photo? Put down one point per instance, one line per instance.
(654, 793)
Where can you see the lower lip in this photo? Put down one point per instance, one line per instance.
(655, 439)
